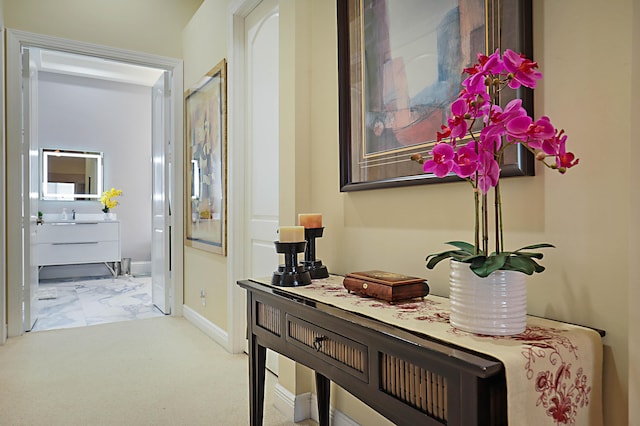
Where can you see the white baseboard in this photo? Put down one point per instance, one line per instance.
(84, 270)
(294, 407)
(217, 334)
(341, 419)
(141, 268)
(305, 406)
(88, 270)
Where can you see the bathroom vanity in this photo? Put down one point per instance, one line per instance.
(67, 238)
(68, 242)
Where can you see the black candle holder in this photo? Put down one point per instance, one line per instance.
(314, 266)
(290, 274)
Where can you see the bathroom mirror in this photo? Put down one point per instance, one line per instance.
(71, 175)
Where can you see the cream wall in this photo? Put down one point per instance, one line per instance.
(634, 232)
(585, 213)
(150, 26)
(204, 45)
(205, 40)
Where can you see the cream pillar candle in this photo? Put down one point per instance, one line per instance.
(291, 234)
(310, 220)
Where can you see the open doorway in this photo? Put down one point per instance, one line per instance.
(85, 104)
(99, 74)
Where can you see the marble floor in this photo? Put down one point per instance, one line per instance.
(80, 303)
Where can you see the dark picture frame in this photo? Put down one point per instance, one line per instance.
(382, 124)
(205, 118)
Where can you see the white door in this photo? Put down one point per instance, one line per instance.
(161, 200)
(262, 150)
(30, 189)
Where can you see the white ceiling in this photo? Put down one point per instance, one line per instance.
(87, 66)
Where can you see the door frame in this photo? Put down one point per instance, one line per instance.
(15, 40)
(236, 74)
(3, 207)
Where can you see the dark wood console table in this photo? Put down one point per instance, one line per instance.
(407, 377)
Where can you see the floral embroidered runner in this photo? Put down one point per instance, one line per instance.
(553, 369)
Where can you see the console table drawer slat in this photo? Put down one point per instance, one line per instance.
(269, 318)
(420, 388)
(346, 354)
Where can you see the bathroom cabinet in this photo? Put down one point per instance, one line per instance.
(74, 242)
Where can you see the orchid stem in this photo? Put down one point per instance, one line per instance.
(485, 226)
(498, 218)
(476, 199)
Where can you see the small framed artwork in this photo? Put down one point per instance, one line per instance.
(400, 67)
(205, 121)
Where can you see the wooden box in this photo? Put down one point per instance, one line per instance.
(388, 286)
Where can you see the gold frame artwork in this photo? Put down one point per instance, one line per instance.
(205, 138)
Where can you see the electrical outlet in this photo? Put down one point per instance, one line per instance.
(203, 297)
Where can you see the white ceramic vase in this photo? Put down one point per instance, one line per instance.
(495, 305)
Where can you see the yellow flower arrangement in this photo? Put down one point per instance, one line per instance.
(108, 200)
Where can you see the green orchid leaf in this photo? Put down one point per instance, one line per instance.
(490, 264)
(469, 248)
(434, 259)
(528, 254)
(536, 246)
(521, 264)
(537, 268)
(519, 260)
(472, 258)
(460, 256)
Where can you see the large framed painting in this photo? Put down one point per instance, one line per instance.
(399, 69)
(205, 112)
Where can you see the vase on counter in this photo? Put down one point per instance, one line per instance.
(495, 305)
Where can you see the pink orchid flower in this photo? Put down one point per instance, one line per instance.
(488, 173)
(523, 70)
(442, 160)
(477, 159)
(444, 134)
(539, 131)
(557, 146)
(486, 66)
(473, 143)
(491, 138)
(466, 160)
(457, 122)
(496, 125)
(477, 103)
(565, 161)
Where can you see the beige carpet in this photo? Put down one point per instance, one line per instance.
(159, 371)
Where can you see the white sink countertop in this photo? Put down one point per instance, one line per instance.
(80, 218)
